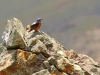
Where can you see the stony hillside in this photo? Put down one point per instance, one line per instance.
(40, 55)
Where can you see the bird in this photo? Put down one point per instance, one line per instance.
(36, 25)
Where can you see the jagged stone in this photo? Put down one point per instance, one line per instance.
(62, 53)
(78, 70)
(26, 57)
(88, 64)
(54, 70)
(6, 59)
(42, 72)
(64, 65)
(39, 47)
(71, 54)
(40, 54)
(14, 34)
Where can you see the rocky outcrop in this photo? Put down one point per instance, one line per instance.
(40, 54)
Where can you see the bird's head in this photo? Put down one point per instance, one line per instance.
(39, 19)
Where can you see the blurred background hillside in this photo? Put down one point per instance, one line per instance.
(75, 23)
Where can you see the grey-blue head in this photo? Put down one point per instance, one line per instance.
(39, 19)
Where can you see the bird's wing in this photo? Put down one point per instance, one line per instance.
(33, 23)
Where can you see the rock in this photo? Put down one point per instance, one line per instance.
(61, 53)
(46, 65)
(39, 47)
(14, 33)
(6, 59)
(42, 72)
(40, 54)
(85, 62)
(78, 70)
(62, 62)
(71, 54)
(53, 70)
(88, 64)
(26, 57)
